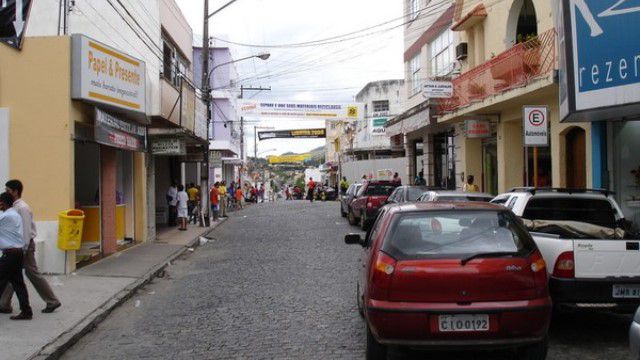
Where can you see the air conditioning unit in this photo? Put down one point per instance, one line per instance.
(461, 51)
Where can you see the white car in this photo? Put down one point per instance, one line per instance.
(592, 262)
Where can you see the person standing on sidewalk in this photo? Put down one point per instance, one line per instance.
(15, 188)
(192, 191)
(214, 197)
(222, 191)
(183, 207)
(239, 196)
(11, 262)
(172, 200)
(311, 187)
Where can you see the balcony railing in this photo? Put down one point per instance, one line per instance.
(511, 69)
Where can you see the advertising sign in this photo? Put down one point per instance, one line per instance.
(111, 131)
(321, 111)
(169, 147)
(437, 89)
(536, 126)
(477, 129)
(13, 20)
(288, 159)
(599, 60)
(103, 75)
(378, 126)
(288, 134)
(201, 119)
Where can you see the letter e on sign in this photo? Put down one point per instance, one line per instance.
(535, 126)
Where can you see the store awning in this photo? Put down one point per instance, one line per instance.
(410, 123)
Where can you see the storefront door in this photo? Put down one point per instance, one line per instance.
(444, 161)
(490, 166)
(576, 169)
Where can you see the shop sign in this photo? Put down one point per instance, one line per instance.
(320, 111)
(397, 142)
(437, 89)
(201, 119)
(13, 21)
(288, 159)
(111, 131)
(378, 126)
(536, 126)
(477, 129)
(168, 147)
(106, 76)
(289, 134)
(599, 59)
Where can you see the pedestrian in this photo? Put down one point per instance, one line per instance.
(12, 260)
(263, 191)
(214, 197)
(396, 179)
(183, 207)
(172, 201)
(287, 192)
(14, 188)
(254, 194)
(222, 191)
(311, 187)
(344, 185)
(239, 196)
(192, 191)
(420, 180)
(469, 186)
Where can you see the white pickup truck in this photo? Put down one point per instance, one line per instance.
(592, 257)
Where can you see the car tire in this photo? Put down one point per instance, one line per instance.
(375, 350)
(537, 351)
(342, 213)
(363, 222)
(359, 301)
(351, 217)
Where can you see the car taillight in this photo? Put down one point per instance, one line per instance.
(565, 266)
(369, 202)
(383, 269)
(539, 269)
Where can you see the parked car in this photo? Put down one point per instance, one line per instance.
(634, 336)
(371, 197)
(452, 275)
(347, 198)
(448, 195)
(407, 193)
(593, 255)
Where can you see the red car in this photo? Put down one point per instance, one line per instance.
(452, 274)
(369, 199)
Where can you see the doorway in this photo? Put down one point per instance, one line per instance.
(444, 167)
(490, 166)
(576, 167)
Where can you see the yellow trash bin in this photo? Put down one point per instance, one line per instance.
(70, 229)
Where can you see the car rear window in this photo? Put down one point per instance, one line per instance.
(455, 234)
(415, 193)
(592, 211)
(464, 198)
(379, 190)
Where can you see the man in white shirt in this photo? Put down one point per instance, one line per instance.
(172, 201)
(183, 208)
(15, 188)
(12, 246)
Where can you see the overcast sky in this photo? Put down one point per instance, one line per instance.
(332, 72)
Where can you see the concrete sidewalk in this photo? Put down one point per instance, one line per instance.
(89, 295)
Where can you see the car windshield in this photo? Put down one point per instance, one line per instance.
(455, 234)
(414, 193)
(589, 210)
(379, 190)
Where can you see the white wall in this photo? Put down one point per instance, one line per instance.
(98, 20)
(354, 170)
(391, 90)
(4, 145)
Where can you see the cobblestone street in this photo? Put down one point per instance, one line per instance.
(278, 282)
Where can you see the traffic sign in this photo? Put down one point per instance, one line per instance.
(13, 19)
(536, 126)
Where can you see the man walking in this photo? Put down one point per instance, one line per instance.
(222, 191)
(311, 186)
(214, 197)
(15, 188)
(12, 246)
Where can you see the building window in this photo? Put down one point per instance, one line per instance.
(380, 106)
(173, 63)
(414, 73)
(442, 54)
(414, 8)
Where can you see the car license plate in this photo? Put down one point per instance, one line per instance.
(626, 291)
(450, 323)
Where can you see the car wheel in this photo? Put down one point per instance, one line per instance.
(351, 217)
(537, 351)
(359, 301)
(363, 222)
(342, 213)
(375, 350)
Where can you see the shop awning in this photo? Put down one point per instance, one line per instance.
(409, 123)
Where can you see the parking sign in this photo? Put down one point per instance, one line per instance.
(536, 126)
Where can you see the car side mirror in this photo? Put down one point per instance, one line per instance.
(352, 239)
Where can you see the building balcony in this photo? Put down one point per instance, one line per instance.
(517, 67)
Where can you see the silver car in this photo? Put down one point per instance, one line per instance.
(634, 336)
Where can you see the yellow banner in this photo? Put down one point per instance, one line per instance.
(288, 159)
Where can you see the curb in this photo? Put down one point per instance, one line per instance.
(58, 346)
